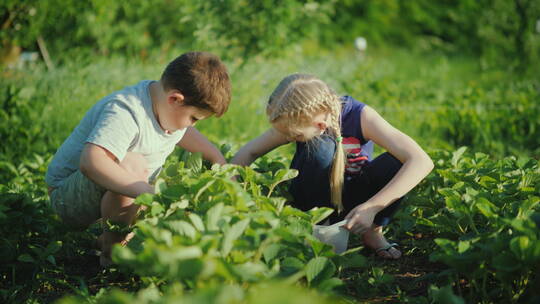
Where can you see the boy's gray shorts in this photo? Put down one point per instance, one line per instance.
(78, 200)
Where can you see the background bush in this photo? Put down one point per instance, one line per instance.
(501, 31)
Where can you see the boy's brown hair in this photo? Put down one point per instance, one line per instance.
(203, 80)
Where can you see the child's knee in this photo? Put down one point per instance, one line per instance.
(135, 163)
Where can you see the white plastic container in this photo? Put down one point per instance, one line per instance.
(334, 235)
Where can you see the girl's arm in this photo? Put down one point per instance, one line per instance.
(416, 165)
(193, 141)
(259, 146)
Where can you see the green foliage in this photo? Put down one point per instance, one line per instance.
(446, 102)
(477, 115)
(138, 28)
(482, 211)
(28, 229)
(20, 123)
(502, 32)
(263, 293)
(203, 229)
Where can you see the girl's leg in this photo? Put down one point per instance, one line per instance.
(358, 189)
(380, 172)
(119, 208)
(313, 161)
(361, 188)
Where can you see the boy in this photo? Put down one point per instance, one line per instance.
(118, 148)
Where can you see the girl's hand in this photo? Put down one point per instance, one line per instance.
(360, 219)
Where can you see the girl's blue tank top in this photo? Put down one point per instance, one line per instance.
(357, 149)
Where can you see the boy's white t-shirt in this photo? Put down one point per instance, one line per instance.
(120, 122)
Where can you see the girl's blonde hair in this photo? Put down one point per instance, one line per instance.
(298, 98)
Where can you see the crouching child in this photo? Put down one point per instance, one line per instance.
(119, 147)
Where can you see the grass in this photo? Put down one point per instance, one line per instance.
(408, 89)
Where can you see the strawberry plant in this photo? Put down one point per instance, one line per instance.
(202, 229)
(485, 214)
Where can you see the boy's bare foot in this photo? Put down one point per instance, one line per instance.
(104, 261)
(106, 240)
(374, 239)
(99, 242)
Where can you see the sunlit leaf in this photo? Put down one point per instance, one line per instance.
(212, 217)
(232, 234)
(196, 221)
(182, 228)
(145, 199)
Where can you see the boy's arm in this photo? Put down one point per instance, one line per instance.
(259, 146)
(102, 167)
(193, 141)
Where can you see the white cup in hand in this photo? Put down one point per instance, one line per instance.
(334, 235)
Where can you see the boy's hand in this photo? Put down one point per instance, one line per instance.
(193, 141)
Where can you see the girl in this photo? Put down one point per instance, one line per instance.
(334, 138)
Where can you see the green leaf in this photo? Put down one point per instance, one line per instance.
(185, 253)
(318, 246)
(329, 284)
(486, 207)
(456, 156)
(291, 211)
(172, 170)
(487, 181)
(196, 221)
(455, 203)
(212, 217)
(160, 186)
(278, 203)
(520, 246)
(319, 269)
(271, 252)
(51, 259)
(426, 222)
(300, 227)
(203, 188)
(248, 174)
(319, 214)
(26, 258)
(281, 175)
(353, 260)
(292, 262)
(232, 235)
(251, 271)
(53, 247)
(145, 199)
(463, 246)
(444, 295)
(190, 268)
(156, 209)
(194, 162)
(182, 227)
(173, 192)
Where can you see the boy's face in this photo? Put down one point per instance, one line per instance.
(180, 116)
